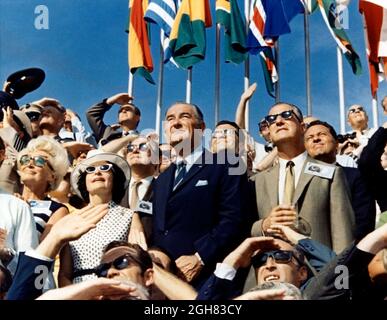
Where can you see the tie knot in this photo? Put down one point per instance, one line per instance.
(136, 183)
(290, 164)
(181, 164)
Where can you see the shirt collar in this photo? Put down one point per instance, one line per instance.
(145, 181)
(298, 161)
(192, 157)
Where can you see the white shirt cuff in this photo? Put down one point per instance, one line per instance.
(224, 271)
(34, 254)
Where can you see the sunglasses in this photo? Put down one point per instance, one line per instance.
(141, 147)
(279, 256)
(33, 116)
(38, 161)
(355, 109)
(119, 263)
(286, 115)
(262, 125)
(102, 168)
(341, 138)
(223, 133)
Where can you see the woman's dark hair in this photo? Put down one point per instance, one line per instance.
(118, 190)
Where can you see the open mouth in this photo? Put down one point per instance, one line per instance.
(98, 179)
(271, 277)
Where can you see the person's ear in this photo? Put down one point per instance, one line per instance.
(149, 277)
(302, 274)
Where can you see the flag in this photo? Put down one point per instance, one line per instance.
(380, 3)
(375, 18)
(140, 59)
(229, 16)
(188, 34)
(329, 14)
(163, 13)
(258, 44)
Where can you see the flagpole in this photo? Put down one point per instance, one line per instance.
(307, 60)
(277, 59)
(188, 95)
(247, 65)
(160, 85)
(374, 99)
(130, 84)
(217, 74)
(341, 90)
(375, 111)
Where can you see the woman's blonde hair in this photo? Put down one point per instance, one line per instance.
(58, 158)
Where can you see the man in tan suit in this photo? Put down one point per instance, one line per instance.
(300, 191)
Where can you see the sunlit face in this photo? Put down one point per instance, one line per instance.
(182, 125)
(283, 130)
(319, 142)
(384, 105)
(99, 182)
(138, 156)
(357, 117)
(225, 137)
(281, 272)
(33, 173)
(127, 116)
(51, 118)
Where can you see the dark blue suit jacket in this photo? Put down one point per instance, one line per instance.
(26, 284)
(362, 202)
(207, 217)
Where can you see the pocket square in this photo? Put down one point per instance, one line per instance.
(201, 183)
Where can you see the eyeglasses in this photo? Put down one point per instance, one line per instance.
(33, 116)
(279, 256)
(39, 161)
(223, 133)
(119, 263)
(262, 125)
(286, 115)
(141, 147)
(102, 168)
(353, 110)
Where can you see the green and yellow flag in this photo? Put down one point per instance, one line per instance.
(229, 16)
(140, 59)
(188, 34)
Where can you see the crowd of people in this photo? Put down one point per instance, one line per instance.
(116, 214)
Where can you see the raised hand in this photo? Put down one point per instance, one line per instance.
(120, 98)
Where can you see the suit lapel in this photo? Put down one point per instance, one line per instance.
(271, 181)
(196, 167)
(165, 182)
(303, 181)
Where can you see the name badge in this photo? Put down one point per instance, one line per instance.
(320, 170)
(40, 206)
(144, 207)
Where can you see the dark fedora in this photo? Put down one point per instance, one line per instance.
(24, 81)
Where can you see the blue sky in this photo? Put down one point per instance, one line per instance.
(84, 55)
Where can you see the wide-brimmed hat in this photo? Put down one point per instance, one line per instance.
(25, 81)
(23, 122)
(93, 157)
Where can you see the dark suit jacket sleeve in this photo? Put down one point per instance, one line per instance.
(340, 278)
(227, 232)
(95, 116)
(318, 255)
(23, 286)
(215, 289)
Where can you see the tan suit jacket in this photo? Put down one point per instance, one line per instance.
(324, 203)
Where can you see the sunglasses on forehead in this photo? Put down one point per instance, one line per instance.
(38, 161)
(119, 263)
(102, 168)
(286, 115)
(279, 256)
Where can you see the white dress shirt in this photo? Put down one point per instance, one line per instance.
(299, 162)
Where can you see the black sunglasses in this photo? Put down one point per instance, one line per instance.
(119, 263)
(286, 115)
(33, 116)
(279, 256)
(141, 147)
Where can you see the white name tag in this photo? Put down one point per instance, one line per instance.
(40, 206)
(144, 206)
(320, 170)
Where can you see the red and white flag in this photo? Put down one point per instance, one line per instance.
(375, 19)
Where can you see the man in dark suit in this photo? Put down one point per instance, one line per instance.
(197, 204)
(128, 118)
(321, 143)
